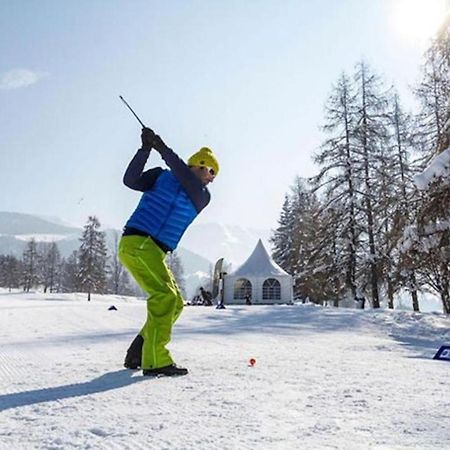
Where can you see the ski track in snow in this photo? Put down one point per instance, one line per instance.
(324, 378)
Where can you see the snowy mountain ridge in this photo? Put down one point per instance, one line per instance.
(210, 240)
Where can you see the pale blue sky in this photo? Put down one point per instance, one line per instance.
(247, 78)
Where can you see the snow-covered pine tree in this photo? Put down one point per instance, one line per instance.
(294, 238)
(433, 92)
(30, 272)
(175, 265)
(92, 257)
(304, 207)
(50, 265)
(336, 179)
(427, 241)
(281, 239)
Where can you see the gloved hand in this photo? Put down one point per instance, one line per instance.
(147, 138)
(158, 143)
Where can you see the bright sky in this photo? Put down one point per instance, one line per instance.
(247, 78)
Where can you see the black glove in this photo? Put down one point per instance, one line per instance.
(158, 143)
(147, 138)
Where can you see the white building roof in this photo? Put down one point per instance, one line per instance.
(260, 264)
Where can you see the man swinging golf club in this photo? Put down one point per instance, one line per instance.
(172, 198)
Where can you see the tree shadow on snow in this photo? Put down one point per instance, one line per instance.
(277, 320)
(422, 348)
(106, 382)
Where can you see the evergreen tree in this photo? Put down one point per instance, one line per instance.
(9, 272)
(304, 205)
(294, 238)
(30, 273)
(50, 265)
(118, 280)
(92, 257)
(175, 265)
(3, 270)
(70, 274)
(281, 240)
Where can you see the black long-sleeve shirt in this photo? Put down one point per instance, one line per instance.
(137, 179)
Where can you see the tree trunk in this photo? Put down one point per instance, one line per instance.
(390, 294)
(414, 297)
(445, 297)
(351, 269)
(415, 301)
(369, 212)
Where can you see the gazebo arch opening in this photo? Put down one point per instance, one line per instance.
(242, 288)
(271, 289)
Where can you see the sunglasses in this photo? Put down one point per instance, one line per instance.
(209, 169)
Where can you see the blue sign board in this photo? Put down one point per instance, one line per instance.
(443, 353)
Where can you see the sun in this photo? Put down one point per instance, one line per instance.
(418, 20)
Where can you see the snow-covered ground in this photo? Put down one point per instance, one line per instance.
(324, 378)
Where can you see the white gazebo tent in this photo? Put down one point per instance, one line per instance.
(261, 278)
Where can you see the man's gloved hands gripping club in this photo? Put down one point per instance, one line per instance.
(151, 140)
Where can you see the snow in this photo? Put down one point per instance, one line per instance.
(438, 167)
(43, 237)
(324, 378)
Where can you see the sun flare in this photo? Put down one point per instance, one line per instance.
(418, 20)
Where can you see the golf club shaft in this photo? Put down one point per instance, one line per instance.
(134, 114)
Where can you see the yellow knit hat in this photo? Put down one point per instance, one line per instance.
(204, 157)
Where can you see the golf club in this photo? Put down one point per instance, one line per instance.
(129, 107)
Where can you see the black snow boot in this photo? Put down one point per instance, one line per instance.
(134, 353)
(168, 371)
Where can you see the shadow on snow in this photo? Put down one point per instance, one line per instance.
(279, 320)
(106, 382)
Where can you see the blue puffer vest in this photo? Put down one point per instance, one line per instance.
(165, 211)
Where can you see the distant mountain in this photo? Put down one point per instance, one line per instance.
(14, 224)
(202, 245)
(16, 229)
(232, 242)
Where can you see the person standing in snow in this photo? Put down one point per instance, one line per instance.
(206, 296)
(172, 198)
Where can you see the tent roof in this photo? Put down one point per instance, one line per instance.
(259, 263)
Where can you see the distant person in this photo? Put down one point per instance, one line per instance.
(206, 296)
(361, 300)
(171, 200)
(220, 304)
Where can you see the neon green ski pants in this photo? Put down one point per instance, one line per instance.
(145, 261)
